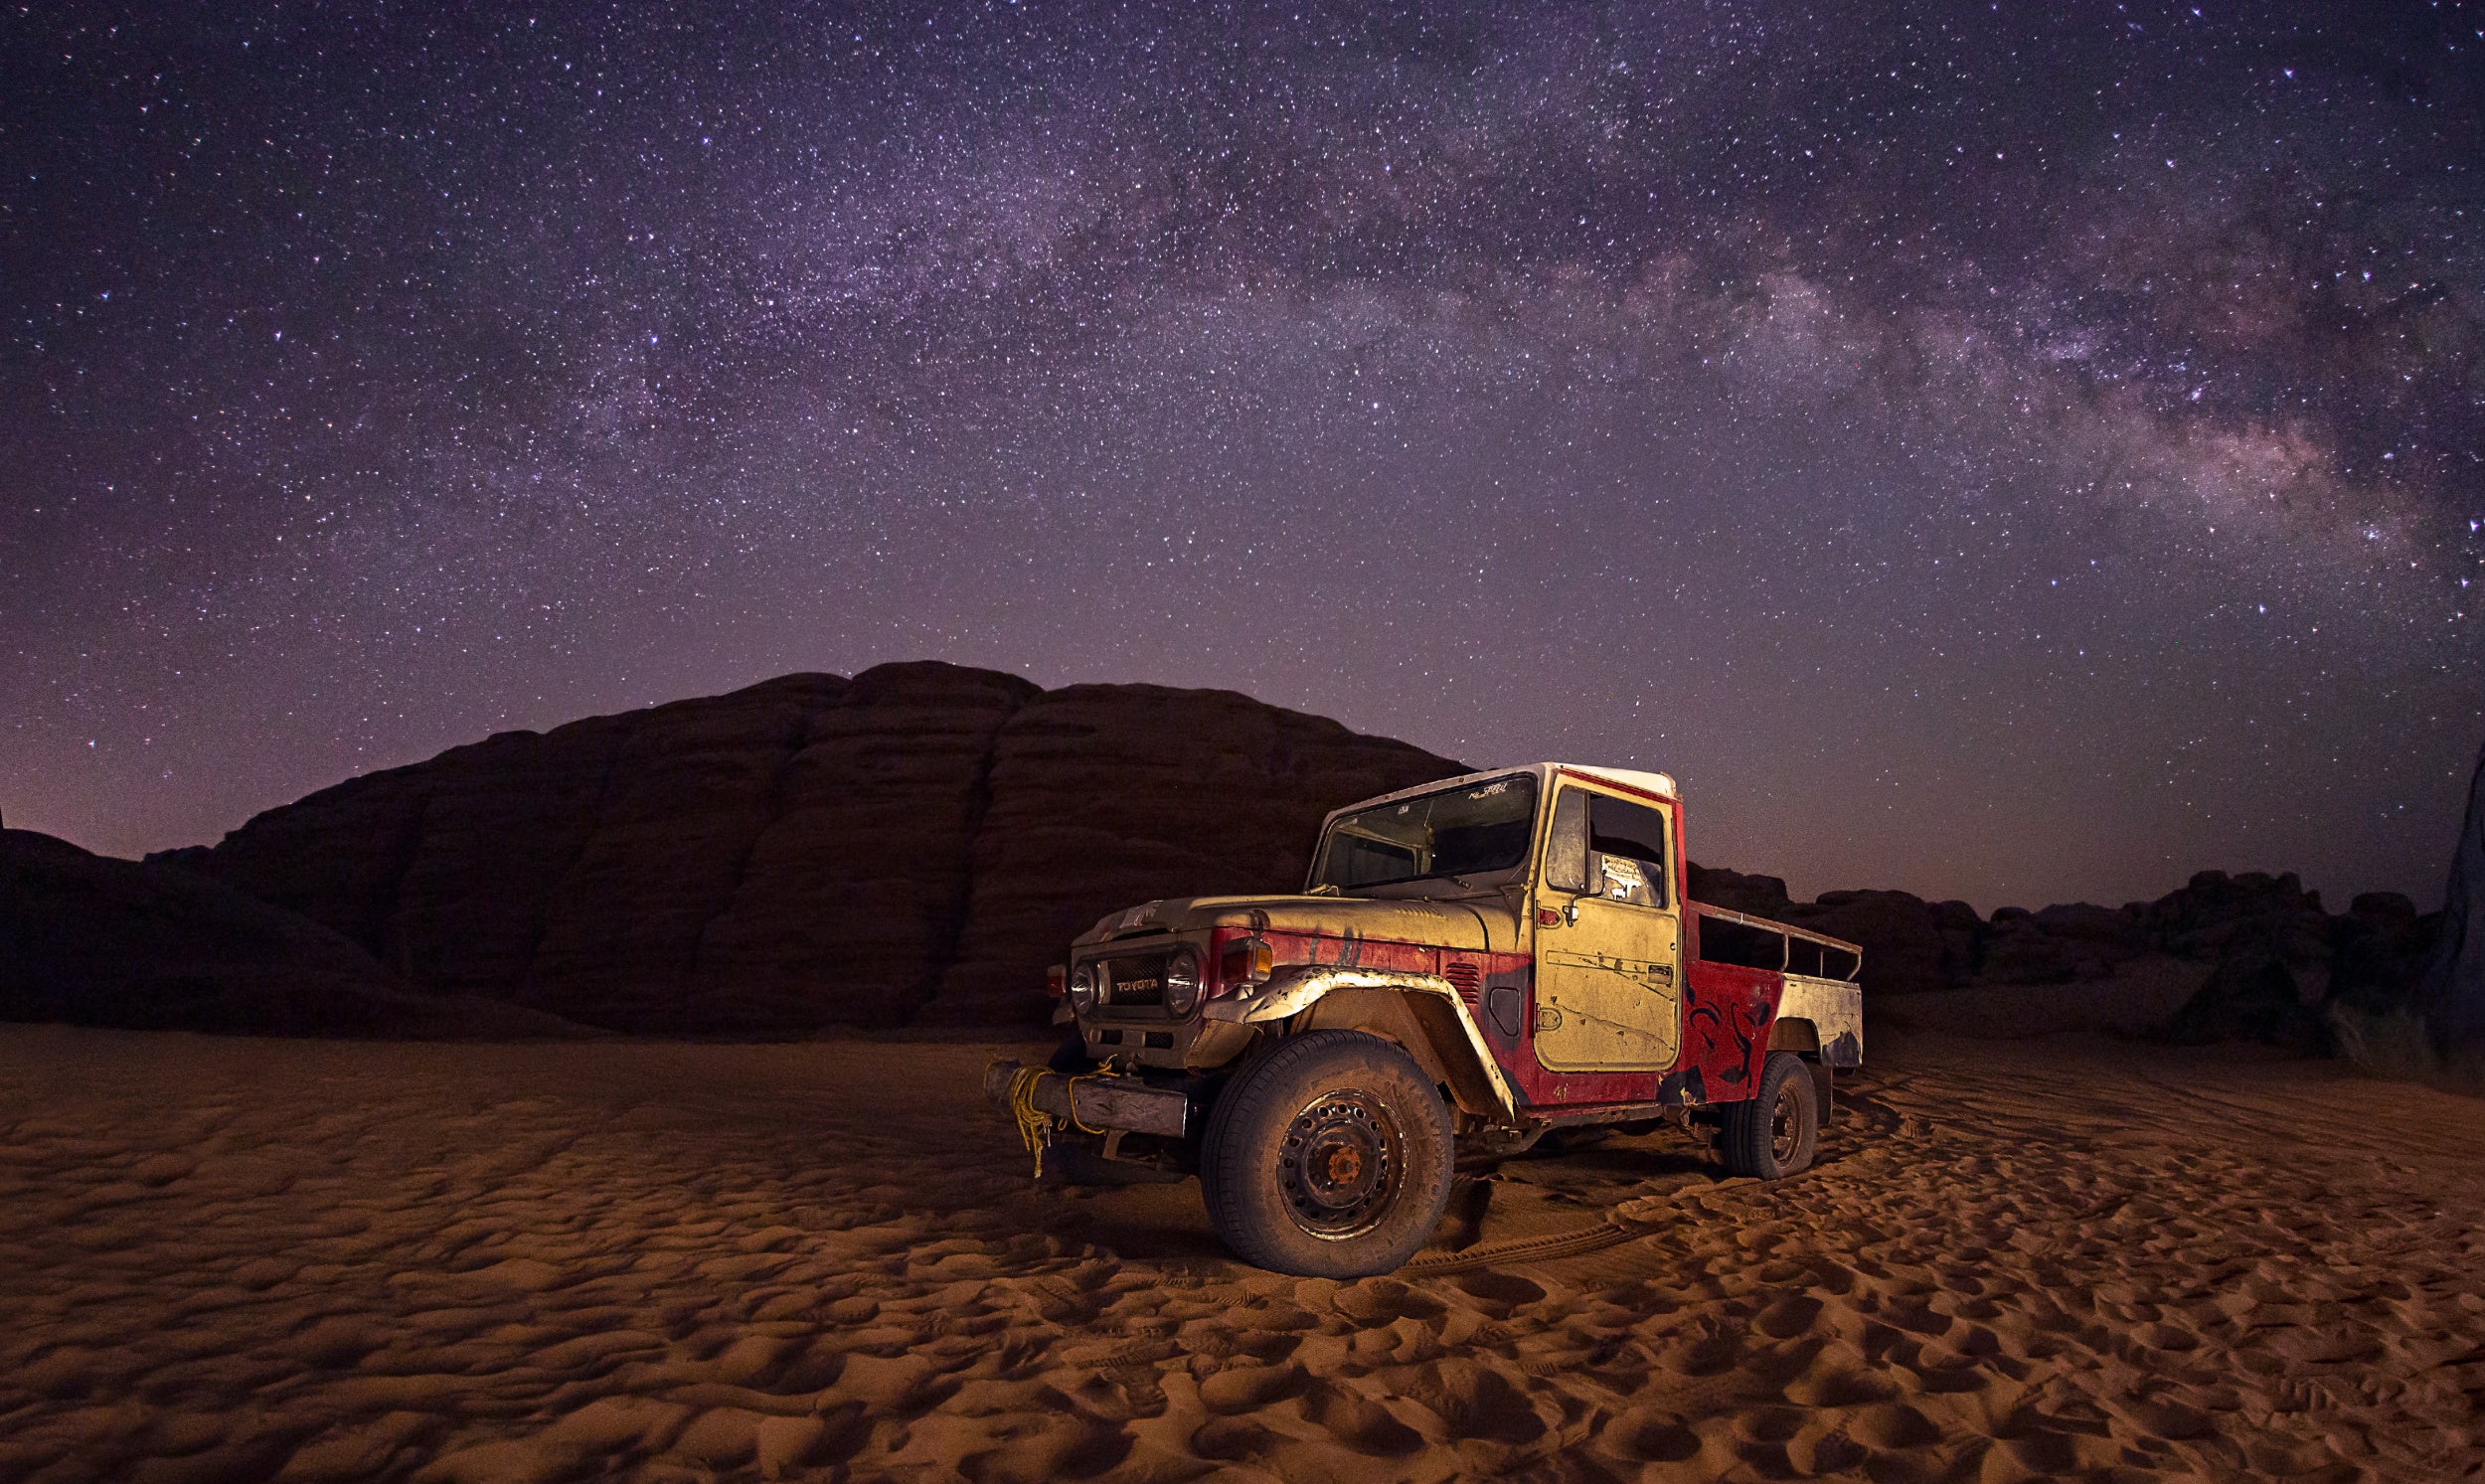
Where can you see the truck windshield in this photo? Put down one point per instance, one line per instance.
(1462, 831)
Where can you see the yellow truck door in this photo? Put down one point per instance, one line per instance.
(1608, 941)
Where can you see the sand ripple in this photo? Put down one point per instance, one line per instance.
(233, 1259)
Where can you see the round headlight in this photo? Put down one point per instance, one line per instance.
(1181, 983)
(1082, 989)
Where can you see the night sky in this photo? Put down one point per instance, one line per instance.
(2023, 452)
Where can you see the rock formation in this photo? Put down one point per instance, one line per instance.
(1912, 945)
(2272, 960)
(1104, 795)
(1901, 936)
(2061, 944)
(917, 843)
(1759, 896)
(2452, 993)
(91, 940)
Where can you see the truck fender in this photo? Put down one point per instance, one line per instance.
(1805, 1039)
(1446, 1040)
(1787, 1035)
(1832, 1010)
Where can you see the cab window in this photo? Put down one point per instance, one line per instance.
(1469, 831)
(1565, 844)
(1626, 850)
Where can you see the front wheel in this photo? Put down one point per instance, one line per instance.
(1328, 1158)
(1777, 1132)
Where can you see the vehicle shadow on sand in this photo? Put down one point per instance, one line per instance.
(1557, 1188)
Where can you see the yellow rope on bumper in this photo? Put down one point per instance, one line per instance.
(1035, 1125)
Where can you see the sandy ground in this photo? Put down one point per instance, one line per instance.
(2059, 1259)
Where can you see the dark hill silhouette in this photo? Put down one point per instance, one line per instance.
(92, 941)
(913, 845)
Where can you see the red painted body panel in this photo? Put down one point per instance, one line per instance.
(1299, 948)
(1727, 1014)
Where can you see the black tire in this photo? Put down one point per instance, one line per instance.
(1777, 1132)
(1328, 1157)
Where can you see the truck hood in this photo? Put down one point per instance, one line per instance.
(1469, 925)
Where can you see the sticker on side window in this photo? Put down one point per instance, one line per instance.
(1623, 878)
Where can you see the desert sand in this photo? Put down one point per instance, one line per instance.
(2066, 1258)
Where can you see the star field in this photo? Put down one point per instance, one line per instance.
(2008, 451)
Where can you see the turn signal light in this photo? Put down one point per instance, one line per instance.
(1057, 980)
(1247, 961)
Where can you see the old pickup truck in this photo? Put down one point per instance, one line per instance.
(1472, 966)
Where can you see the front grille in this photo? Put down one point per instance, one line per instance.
(1135, 979)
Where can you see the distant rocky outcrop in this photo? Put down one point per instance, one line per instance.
(1757, 896)
(2066, 944)
(90, 940)
(915, 844)
(2273, 950)
(2270, 960)
(2452, 991)
(1903, 937)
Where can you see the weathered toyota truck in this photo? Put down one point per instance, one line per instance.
(1472, 966)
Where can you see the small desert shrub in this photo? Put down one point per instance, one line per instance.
(2397, 1046)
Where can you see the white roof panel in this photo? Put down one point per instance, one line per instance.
(1628, 777)
(1645, 782)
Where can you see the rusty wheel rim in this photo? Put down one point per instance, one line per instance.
(1340, 1164)
(1785, 1125)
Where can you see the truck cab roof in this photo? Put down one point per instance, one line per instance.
(1660, 784)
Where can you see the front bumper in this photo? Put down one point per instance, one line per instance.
(1095, 1102)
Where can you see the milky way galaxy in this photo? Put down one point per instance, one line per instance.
(2020, 452)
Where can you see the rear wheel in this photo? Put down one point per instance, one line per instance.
(1777, 1132)
(1328, 1157)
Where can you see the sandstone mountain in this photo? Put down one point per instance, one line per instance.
(92, 941)
(910, 846)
